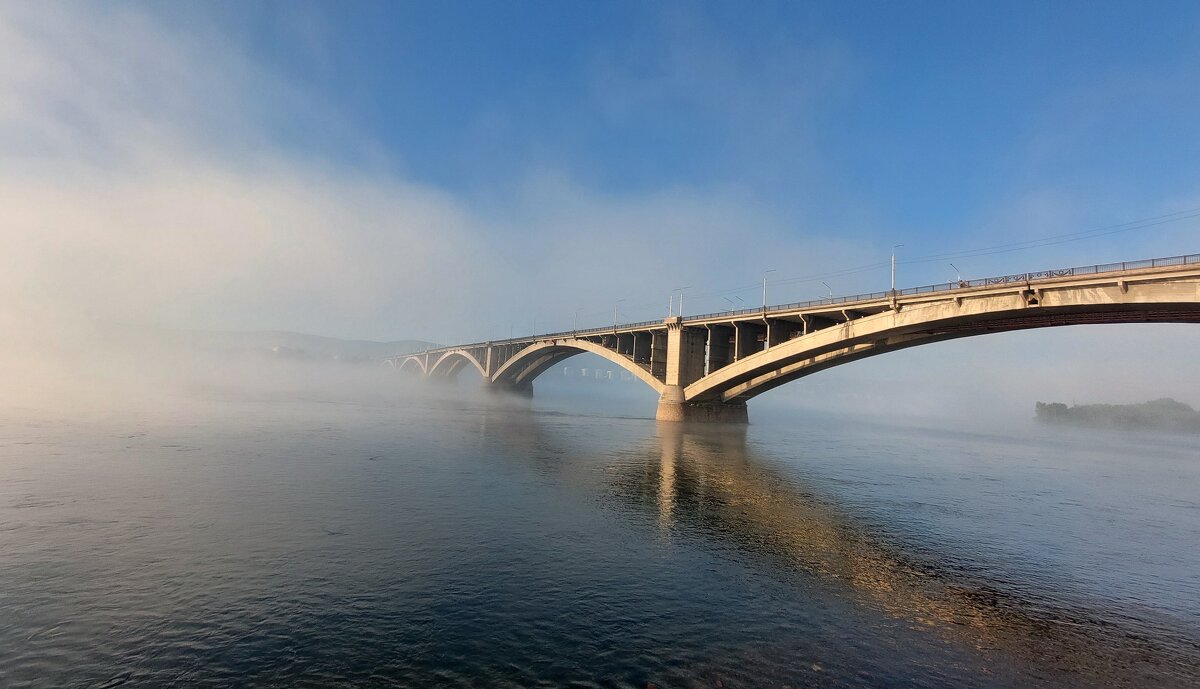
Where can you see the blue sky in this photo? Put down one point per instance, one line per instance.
(927, 118)
(457, 171)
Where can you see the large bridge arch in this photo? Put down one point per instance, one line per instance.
(449, 364)
(918, 324)
(522, 368)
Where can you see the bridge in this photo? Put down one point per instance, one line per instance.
(705, 368)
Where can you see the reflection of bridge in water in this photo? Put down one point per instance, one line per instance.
(705, 367)
(709, 482)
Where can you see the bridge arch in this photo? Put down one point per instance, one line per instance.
(410, 364)
(449, 364)
(522, 368)
(919, 324)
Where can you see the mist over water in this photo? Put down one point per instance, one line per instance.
(322, 525)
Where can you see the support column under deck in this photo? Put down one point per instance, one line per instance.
(684, 365)
(720, 347)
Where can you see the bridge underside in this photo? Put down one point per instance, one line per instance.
(704, 369)
(786, 369)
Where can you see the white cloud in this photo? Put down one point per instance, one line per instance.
(141, 183)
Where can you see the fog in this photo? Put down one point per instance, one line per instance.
(144, 182)
(118, 373)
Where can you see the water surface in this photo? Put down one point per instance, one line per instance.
(285, 542)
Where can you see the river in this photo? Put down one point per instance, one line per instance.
(406, 541)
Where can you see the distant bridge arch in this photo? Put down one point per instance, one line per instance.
(520, 370)
(706, 367)
(411, 364)
(450, 363)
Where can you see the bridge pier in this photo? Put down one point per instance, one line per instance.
(516, 389)
(686, 348)
(672, 407)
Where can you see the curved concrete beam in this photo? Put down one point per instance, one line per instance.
(535, 359)
(446, 364)
(947, 319)
(415, 361)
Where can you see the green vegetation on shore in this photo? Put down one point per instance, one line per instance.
(1163, 414)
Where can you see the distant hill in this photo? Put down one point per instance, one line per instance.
(1163, 414)
(269, 343)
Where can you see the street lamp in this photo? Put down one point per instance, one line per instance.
(575, 322)
(680, 290)
(615, 307)
(830, 290)
(765, 272)
(958, 273)
(894, 247)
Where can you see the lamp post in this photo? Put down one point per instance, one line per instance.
(894, 247)
(575, 321)
(615, 312)
(765, 272)
(830, 290)
(958, 273)
(680, 290)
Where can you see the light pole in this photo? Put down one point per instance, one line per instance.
(957, 272)
(730, 302)
(894, 247)
(765, 272)
(575, 322)
(615, 307)
(680, 290)
(830, 290)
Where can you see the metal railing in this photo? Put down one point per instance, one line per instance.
(1017, 278)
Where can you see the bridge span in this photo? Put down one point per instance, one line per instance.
(705, 368)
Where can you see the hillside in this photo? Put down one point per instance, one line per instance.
(241, 344)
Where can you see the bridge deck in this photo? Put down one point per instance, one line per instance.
(846, 308)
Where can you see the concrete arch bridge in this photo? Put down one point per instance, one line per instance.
(705, 368)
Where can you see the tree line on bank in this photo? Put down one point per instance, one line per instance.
(1164, 414)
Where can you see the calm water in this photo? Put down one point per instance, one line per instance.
(311, 543)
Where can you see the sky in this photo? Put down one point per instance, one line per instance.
(458, 171)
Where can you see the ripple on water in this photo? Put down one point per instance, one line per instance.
(580, 552)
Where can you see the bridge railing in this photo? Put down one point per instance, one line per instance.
(1017, 278)
(532, 338)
